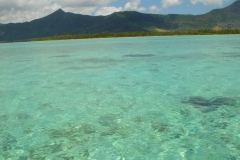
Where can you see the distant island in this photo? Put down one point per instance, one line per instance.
(62, 25)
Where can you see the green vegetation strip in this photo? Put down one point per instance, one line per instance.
(140, 34)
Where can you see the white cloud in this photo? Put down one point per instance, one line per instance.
(22, 4)
(170, 3)
(133, 5)
(108, 10)
(20, 13)
(27, 10)
(83, 3)
(208, 2)
(80, 10)
(154, 9)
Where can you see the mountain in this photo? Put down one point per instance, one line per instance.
(61, 23)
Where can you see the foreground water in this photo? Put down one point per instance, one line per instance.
(155, 98)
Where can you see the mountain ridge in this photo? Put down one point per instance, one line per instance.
(62, 23)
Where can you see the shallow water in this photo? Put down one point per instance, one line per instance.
(160, 98)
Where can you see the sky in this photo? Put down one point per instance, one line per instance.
(14, 11)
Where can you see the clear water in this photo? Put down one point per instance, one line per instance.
(154, 98)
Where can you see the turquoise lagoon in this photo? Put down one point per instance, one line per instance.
(151, 98)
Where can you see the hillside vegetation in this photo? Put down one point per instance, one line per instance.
(139, 34)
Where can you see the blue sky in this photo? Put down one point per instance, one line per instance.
(27, 10)
(185, 7)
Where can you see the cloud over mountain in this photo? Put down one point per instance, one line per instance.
(27, 10)
(208, 2)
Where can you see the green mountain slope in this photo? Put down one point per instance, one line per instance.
(61, 23)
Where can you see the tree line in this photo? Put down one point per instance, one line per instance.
(140, 34)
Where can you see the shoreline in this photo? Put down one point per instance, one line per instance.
(131, 35)
(141, 34)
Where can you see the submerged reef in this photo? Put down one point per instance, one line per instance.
(208, 105)
(159, 126)
(112, 126)
(9, 142)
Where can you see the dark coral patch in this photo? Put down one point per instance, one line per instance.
(223, 101)
(9, 142)
(159, 126)
(198, 101)
(108, 120)
(219, 101)
(208, 105)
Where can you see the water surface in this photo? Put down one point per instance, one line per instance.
(145, 98)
